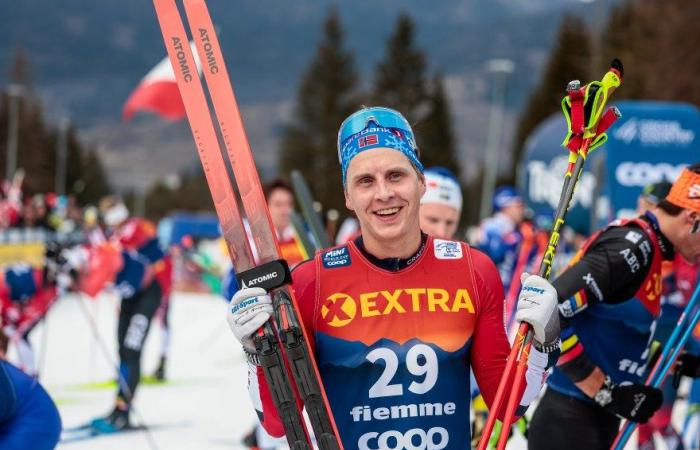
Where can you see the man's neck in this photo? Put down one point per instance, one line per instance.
(392, 264)
(395, 248)
(666, 230)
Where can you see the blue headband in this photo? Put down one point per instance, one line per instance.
(375, 136)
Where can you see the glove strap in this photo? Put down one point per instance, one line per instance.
(252, 358)
(604, 396)
(547, 348)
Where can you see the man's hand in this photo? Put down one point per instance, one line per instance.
(537, 305)
(248, 310)
(635, 402)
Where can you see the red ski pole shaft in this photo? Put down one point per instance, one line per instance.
(498, 400)
(519, 379)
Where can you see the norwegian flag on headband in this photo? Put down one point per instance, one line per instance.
(370, 139)
(158, 92)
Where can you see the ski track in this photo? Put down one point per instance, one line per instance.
(204, 404)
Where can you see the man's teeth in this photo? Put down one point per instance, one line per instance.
(387, 211)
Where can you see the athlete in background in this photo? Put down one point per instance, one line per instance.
(674, 298)
(143, 281)
(499, 235)
(28, 415)
(441, 205)
(609, 300)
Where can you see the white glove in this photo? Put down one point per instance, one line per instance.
(76, 257)
(537, 305)
(248, 310)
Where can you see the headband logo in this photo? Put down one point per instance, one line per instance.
(694, 192)
(371, 139)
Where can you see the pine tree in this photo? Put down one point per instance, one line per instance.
(437, 141)
(325, 97)
(37, 142)
(401, 81)
(658, 43)
(570, 59)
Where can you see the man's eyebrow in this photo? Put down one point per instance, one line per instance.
(362, 175)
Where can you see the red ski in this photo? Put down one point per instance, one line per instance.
(273, 272)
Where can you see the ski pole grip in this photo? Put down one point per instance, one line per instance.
(268, 276)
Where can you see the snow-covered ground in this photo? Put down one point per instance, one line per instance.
(203, 405)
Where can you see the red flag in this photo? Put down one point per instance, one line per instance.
(158, 93)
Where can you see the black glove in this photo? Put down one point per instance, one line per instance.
(687, 365)
(635, 402)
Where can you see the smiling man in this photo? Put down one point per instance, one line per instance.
(396, 318)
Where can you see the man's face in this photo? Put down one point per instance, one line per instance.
(688, 244)
(515, 210)
(281, 204)
(438, 220)
(384, 191)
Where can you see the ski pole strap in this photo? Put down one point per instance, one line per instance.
(583, 109)
(268, 276)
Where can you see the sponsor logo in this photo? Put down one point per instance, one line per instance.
(631, 259)
(136, 333)
(640, 174)
(339, 309)
(533, 289)
(694, 192)
(208, 51)
(447, 249)
(181, 60)
(653, 287)
(244, 304)
(593, 284)
(435, 438)
(633, 236)
(567, 308)
(367, 414)
(654, 132)
(645, 247)
(631, 367)
(339, 257)
(261, 279)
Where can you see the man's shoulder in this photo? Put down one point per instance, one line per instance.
(628, 234)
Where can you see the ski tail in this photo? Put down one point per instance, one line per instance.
(292, 332)
(223, 196)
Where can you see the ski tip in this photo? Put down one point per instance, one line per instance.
(617, 65)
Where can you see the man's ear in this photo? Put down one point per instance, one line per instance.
(423, 188)
(348, 205)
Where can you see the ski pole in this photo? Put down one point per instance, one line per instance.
(584, 136)
(114, 365)
(306, 203)
(668, 357)
(301, 234)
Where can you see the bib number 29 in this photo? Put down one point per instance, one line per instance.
(421, 361)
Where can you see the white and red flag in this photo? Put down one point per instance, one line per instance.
(158, 93)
